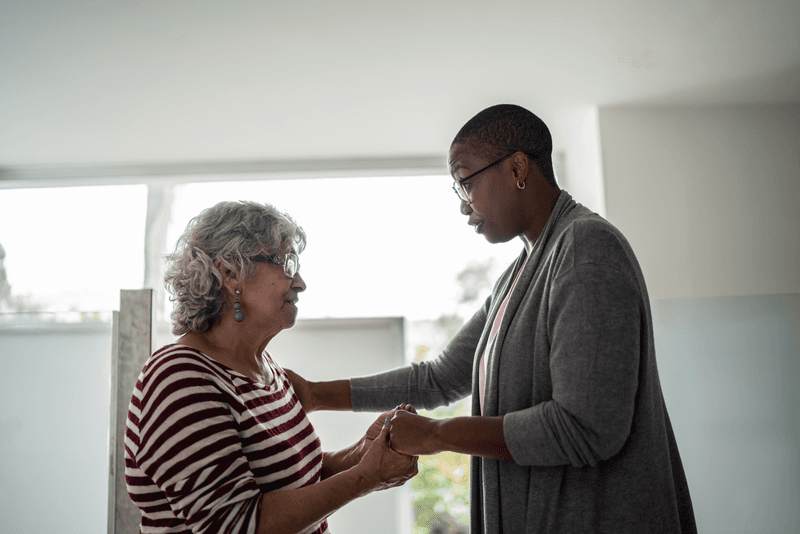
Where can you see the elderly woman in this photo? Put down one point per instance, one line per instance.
(217, 440)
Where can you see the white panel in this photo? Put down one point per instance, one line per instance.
(54, 413)
(328, 349)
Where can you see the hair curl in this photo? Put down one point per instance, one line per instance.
(508, 128)
(222, 239)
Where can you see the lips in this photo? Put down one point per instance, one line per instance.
(478, 225)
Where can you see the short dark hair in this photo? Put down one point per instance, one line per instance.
(507, 128)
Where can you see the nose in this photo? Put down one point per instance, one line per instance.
(466, 209)
(298, 284)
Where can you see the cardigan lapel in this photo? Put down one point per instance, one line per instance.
(563, 204)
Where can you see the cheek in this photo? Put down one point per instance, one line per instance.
(269, 294)
(486, 209)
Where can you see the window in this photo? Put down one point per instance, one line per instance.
(69, 250)
(392, 246)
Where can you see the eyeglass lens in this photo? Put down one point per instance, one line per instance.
(291, 265)
(459, 189)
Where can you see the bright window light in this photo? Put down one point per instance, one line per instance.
(389, 246)
(72, 248)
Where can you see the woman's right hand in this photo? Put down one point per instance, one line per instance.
(383, 467)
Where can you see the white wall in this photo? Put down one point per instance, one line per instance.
(328, 349)
(576, 154)
(708, 197)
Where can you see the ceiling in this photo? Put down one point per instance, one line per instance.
(114, 81)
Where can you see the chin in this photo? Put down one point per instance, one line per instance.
(494, 239)
(290, 322)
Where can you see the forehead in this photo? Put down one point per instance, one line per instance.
(463, 156)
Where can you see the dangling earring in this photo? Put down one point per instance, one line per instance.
(520, 184)
(238, 316)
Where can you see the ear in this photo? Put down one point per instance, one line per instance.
(229, 280)
(520, 166)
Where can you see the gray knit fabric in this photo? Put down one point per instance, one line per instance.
(574, 372)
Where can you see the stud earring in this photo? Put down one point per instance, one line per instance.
(238, 316)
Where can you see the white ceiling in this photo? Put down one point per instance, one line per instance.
(100, 81)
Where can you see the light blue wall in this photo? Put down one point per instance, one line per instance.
(730, 370)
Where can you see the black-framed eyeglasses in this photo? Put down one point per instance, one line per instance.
(289, 261)
(458, 186)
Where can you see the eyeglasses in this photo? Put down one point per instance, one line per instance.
(461, 190)
(289, 261)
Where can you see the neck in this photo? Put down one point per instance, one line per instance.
(542, 207)
(232, 344)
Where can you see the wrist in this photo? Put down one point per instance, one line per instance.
(437, 437)
(341, 460)
(311, 399)
(351, 456)
(363, 479)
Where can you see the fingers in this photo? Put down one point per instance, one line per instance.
(398, 468)
(406, 408)
(383, 436)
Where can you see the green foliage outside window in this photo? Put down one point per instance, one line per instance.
(441, 489)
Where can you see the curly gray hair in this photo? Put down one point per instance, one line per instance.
(227, 234)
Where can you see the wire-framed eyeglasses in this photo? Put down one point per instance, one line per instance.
(459, 185)
(289, 261)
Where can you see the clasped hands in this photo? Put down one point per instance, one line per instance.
(389, 448)
(409, 433)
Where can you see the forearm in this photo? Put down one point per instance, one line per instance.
(473, 435)
(295, 510)
(338, 461)
(291, 511)
(334, 395)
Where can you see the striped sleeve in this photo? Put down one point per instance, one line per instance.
(182, 435)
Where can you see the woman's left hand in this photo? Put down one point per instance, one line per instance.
(413, 434)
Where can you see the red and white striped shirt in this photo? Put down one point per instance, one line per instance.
(203, 443)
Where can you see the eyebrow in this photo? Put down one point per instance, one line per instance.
(454, 169)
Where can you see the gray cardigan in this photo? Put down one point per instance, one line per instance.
(574, 373)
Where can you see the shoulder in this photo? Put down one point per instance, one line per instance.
(589, 239)
(175, 367)
(176, 357)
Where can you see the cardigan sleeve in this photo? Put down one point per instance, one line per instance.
(595, 322)
(430, 384)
